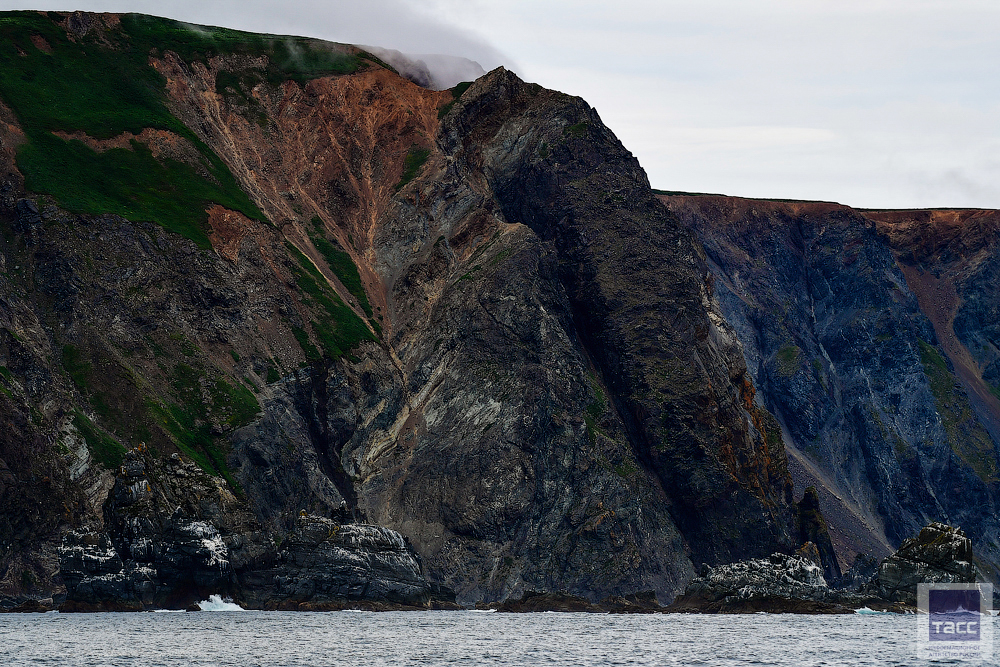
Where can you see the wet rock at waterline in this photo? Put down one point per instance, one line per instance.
(940, 554)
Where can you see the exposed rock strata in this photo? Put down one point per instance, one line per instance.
(155, 556)
(460, 403)
(940, 554)
(325, 562)
(844, 316)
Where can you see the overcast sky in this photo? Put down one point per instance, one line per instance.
(874, 103)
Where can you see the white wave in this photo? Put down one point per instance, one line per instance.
(216, 603)
(871, 612)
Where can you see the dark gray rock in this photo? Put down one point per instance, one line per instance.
(324, 562)
(795, 576)
(155, 556)
(813, 530)
(836, 340)
(862, 571)
(940, 554)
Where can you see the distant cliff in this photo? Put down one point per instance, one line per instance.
(871, 337)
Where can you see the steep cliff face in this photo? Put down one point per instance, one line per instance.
(844, 316)
(459, 315)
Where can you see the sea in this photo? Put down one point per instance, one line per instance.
(225, 635)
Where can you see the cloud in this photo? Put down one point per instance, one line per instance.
(393, 24)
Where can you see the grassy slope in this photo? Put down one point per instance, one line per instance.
(102, 90)
(103, 86)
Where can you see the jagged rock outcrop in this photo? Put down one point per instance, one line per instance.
(635, 280)
(152, 556)
(795, 583)
(940, 554)
(327, 564)
(813, 530)
(172, 536)
(745, 584)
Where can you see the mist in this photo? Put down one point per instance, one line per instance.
(389, 24)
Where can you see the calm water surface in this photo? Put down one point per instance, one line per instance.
(277, 639)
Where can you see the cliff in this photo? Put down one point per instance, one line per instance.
(279, 323)
(868, 335)
(457, 323)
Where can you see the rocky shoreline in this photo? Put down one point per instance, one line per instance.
(326, 565)
(330, 566)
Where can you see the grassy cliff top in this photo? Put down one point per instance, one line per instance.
(92, 73)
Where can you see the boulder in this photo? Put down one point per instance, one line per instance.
(737, 586)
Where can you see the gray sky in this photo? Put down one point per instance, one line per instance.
(876, 103)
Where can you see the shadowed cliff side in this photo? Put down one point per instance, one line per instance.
(845, 352)
(642, 304)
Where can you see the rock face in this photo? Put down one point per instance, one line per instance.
(813, 530)
(795, 583)
(849, 324)
(940, 554)
(162, 546)
(458, 315)
(325, 562)
(155, 556)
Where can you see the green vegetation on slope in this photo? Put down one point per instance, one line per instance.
(337, 328)
(414, 160)
(788, 360)
(105, 450)
(456, 93)
(203, 401)
(198, 404)
(345, 269)
(106, 88)
(295, 58)
(967, 438)
(129, 183)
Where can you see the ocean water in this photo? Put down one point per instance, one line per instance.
(279, 639)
